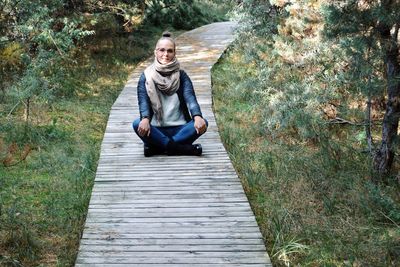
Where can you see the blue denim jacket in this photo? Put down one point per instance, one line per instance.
(186, 95)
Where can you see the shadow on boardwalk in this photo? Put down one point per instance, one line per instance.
(170, 211)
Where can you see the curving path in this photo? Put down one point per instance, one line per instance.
(170, 211)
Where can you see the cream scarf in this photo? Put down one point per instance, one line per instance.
(163, 79)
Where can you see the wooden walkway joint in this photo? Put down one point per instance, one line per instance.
(165, 210)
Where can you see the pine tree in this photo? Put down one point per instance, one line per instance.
(368, 31)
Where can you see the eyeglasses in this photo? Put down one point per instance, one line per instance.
(163, 50)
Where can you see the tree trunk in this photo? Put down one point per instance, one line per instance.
(385, 154)
(3, 93)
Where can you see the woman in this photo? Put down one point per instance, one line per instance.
(170, 117)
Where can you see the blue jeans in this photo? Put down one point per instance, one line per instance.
(160, 136)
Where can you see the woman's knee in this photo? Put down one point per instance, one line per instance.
(206, 121)
(135, 124)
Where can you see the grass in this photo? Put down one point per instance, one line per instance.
(313, 197)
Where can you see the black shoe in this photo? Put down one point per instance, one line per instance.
(174, 148)
(149, 150)
(197, 150)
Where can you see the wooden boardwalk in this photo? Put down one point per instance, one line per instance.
(169, 210)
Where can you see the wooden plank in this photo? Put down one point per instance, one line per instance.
(167, 197)
(198, 219)
(159, 230)
(126, 175)
(170, 241)
(195, 187)
(230, 235)
(204, 172)
(163, 206)
(169, 191)
(171, 248)
(183, 202)
(161, 214)
(172, 265)
(133, 210)
(177, 204)
(174, 224)
(127, 161)
(169, 183)
(173, 257)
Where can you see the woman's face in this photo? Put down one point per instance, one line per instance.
(165, 51)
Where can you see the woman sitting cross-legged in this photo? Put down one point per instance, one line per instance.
(170, 117)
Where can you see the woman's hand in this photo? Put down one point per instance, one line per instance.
(200, 125)
(144, 127)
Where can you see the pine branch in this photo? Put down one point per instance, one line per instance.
(55, 44)
(12, 110)
(339, 120)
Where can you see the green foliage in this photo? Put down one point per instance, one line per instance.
(385, 205)
(45, 41)
(182, 14)
(260, 17)
(20, 238)
(361, 46)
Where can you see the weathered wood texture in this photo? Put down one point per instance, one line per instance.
(170, 211)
